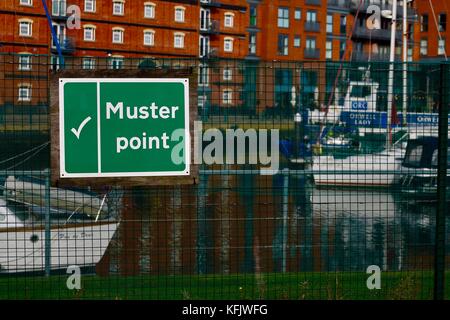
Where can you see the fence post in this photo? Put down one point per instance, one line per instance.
(47, 225)
(285, 216)
(439, 254)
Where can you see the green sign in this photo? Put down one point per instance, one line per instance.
(124, 127)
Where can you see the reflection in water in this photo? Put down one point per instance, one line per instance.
(215, 226)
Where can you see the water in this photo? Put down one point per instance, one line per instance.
(227, 223)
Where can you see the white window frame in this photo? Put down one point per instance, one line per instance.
(424, 48)
(299, 38)
(203, 75)
(152, 7)
(227, 74)
(121, 4)
(28, 3)
(228, 44)
(119, 60)
(121, 32)
(86, 28)
(328, 49)
(27, 88)
(25, 65)
(29, 24)
(88, 63)
(228, 21)
(178, 36)
(92, 2)
(297, 14)
(180, 14)
(311, 16)
(441, 46)
(227, 96)
(151, 33)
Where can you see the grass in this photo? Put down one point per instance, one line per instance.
(312, 285)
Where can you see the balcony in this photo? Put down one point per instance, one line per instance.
(67, 45)
(212, 28)
(313, 2)
(375, 34)
(360, 56)
(354, 4)
(310, 53)
(210, 3)
(312, 26)
(212, 53)
(338, 5)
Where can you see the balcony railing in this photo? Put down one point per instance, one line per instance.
(338, 4)
(313, 2)
(375, 34)
(354, 5)
(312, 26)
(211, 3)
(374, 57)
(310, 53)
(212, 28)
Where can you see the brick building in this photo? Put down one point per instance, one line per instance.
(432, 31)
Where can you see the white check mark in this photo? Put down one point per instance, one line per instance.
(78, 132)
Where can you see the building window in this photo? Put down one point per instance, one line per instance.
(203, 75)
(118, 8)
(117, 35)
(88, 63)
(25, 28)
(424, 23)
(26, 2)
(297, 14)
(343, 25)
(116, 63)
(24, 62)
(329, 50)
(24, 93)
(201, 101)
(149, 37)
(89, 33)
(424, 47)
(203, 46)
(89, 5)
(178, 40)
(441, 47)
(283, 44)
(311, 16)
(410, 54)
(227, 74)
(149, 10)
(297, 41)
(227, 96)
(252, 44)
(342, 46)
(329, 23)
(253, 12)
(442, 22)
(59, 7)
(283, 17)
(229, 20)
(179, 14)
(228, 44)
(311, 43)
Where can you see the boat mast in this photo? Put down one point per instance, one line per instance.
(405, 59)
(391, 74)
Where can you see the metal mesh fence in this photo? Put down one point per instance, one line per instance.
(355, 195)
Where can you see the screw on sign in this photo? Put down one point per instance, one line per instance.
(124, 127)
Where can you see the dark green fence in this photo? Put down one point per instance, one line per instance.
(313, 230)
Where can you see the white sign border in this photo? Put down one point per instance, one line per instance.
(187, 140)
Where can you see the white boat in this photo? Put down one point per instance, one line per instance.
(74, 241)
(368, 170)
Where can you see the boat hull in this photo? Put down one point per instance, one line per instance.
(22, 249)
